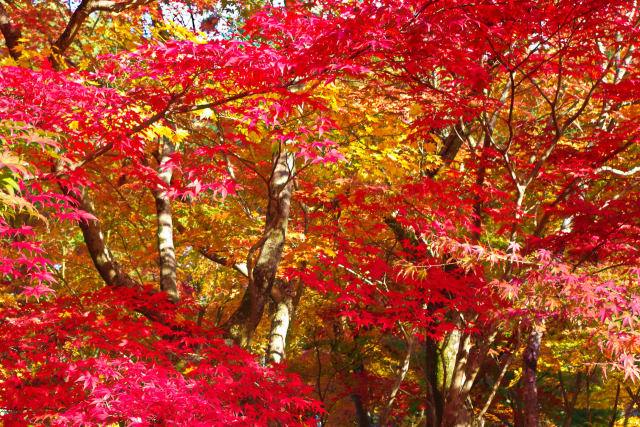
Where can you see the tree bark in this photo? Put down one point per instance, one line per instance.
(614, 413)
(284, 301)
(494, 390)
(11, 33)
(361, 412)
(112, 274)
(244, 321)
(107, 267)
(400, 375)
(570, 404)
(529, 372)
(432, 364)
(362, 415)
(455, 412)
(166, 249)
(450, 147)
(446, 369)
(82, 12)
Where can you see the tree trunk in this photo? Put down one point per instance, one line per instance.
(432, 368)
(400, 375)
(284, 300)
(279, 327)
(571, 404)
(11, 32)
(494, 390)
(529, 372)
(455, 411)
(166, 249)
(614, 413)
(107, 267)
(244, 321)
(361, 412)
(110, 271)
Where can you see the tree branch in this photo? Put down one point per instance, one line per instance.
(224, 261)
(11, 33)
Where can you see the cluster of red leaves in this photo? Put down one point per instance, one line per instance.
(92, 360)
(442, 267)
(474, 239)
(24, 260)
(88, 360)
(417, 283)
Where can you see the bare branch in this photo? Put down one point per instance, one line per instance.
(82, 12)
(224, 261)
(618, 171)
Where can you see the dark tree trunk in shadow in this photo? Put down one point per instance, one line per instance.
(362, 415)
(361, 412)
(529, 373)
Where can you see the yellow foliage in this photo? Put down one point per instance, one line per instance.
(632, 422)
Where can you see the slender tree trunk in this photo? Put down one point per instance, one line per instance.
(103, 260)
(588, 391)
(494, 390)
(570, 405)
(166, 249)
(614, 413)
(244, 321)
(400, 375)
(435, 364)
(460, 358)
(627, 414)
(107, 267)
(361, 412)
(529, 372)
(279, 328)
(631, 405)
(284, 301)
(471, 352)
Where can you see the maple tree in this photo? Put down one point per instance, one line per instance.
(412, 203)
